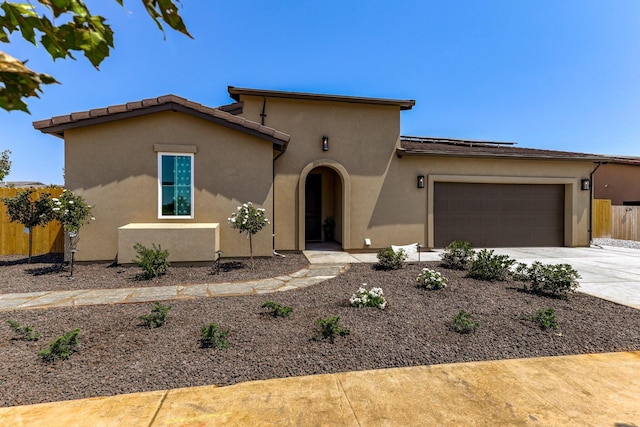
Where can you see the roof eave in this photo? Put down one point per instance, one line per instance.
(401, 152)
(236, 92)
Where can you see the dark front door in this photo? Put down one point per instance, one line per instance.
(313, 207)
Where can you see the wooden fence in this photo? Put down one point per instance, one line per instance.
(14, 239)
(616, 222)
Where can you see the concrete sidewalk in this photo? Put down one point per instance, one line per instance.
(584, 390)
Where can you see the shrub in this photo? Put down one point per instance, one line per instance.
(329, 329)
(388, 259)
(555, 279)
(458, 255)
(487, 266)
(431, 280)
(152, 261)
(212, 336)
(277, 310)
(373, 297)
(547, 318)
(157, 317)
(248, 219)
(63, 347)
(463, 324)
(26, 332)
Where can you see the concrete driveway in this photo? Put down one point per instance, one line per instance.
(607, 272)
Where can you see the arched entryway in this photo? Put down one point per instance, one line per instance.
(323, 214)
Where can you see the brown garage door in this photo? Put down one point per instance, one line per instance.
(498, 215)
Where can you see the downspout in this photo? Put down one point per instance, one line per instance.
(264, 107)
(273, 207)
(591, 200)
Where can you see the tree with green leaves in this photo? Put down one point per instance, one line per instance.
(5, 164)
(73, 212)
(64, 26)
(30, 212)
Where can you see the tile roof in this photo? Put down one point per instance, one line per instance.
(415, 146)
(236, 92)
(57, 125)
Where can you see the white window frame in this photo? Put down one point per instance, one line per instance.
(160, 215)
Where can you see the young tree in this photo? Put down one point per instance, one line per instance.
(29, 212)
(5, 164)
(73, 212)
(63, 26)
(248, 219)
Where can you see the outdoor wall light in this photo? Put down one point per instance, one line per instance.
(420, 181)
(325, 143)
(585, 184)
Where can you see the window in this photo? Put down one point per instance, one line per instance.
(175, 185)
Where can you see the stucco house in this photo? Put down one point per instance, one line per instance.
(171, 171)
(619, 181)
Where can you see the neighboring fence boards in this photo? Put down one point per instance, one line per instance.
(616, 222)
(13, 238)
(601, 218)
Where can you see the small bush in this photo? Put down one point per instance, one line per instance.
(152, 261)
(26, 332)
(431, 280)
(329, 329)
(490, 267)
(388, 259)
(373, 297)
(458, 255)
(212, 336)
(463, 324)
(555, 279)
(63, 347)
(277, 310)
(157, 317)
(547, 318)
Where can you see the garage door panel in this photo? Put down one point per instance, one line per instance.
(495, 215)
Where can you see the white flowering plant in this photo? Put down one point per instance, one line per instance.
(248, 219)
(431, 280)
(364, 297)
(73, 212)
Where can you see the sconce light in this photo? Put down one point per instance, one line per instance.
(420, 181)
(585, 184)
(325, 143)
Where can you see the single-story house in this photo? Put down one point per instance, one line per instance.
(171, 171)
(619, 181)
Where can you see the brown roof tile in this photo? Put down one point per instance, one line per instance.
(58, 124)
(411, 145)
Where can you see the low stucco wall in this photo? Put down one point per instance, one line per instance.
(185, 242)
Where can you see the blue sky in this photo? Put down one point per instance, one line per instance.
(546, 74)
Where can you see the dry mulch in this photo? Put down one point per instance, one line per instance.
(118, 355)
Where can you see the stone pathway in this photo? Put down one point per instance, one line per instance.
(311, 275)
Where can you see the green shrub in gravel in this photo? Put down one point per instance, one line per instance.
(63, 347)
(157, 317)
(388, 259)
(463, 323)
(490, 267)
(547, 318)
(213, 336)
(431, 280)
(26, 332)
(329, 328)
(557, 280)
(153, 261)
(277, 310)
(458, 255)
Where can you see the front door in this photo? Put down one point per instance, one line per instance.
(313, 207)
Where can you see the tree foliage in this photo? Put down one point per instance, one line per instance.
(63, 26)
(248, 219)
(5, 164)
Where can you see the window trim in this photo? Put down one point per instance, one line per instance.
(160, 215)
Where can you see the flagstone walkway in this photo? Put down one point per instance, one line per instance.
(308, 276)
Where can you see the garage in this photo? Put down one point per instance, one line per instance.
(498, 215)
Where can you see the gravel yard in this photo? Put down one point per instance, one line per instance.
(118, 355)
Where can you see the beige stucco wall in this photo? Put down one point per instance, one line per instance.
(617, 182)
(114, 166)
(362, 140)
